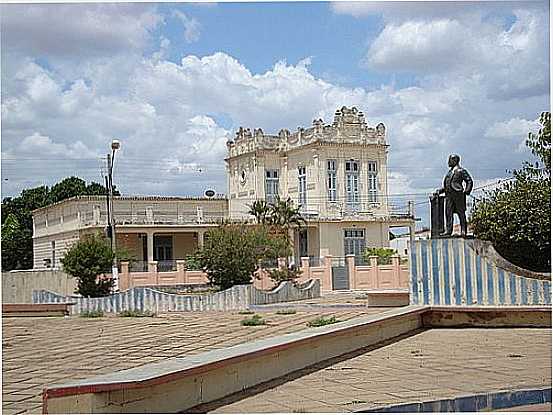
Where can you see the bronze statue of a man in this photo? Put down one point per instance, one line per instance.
(455, 194)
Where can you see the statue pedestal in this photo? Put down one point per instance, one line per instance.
(437, 216)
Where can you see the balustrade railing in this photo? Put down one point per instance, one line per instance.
(167, 265)
(138, 266)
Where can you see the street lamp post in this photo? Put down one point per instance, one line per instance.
(115, 145)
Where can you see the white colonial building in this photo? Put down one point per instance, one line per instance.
(336, 173)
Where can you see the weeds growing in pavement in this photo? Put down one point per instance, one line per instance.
(322, 321)
(255, 320)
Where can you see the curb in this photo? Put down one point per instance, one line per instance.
(473, 403)
(261, 307)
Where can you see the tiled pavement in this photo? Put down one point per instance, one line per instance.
(41, 351)
(430, 365)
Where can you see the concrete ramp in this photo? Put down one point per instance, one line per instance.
(469, 272)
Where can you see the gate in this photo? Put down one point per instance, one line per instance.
(340, 274)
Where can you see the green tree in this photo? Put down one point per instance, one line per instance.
(89, 260)
(68, 187)
(17, 251)
(15, 239)
(384, 255)
(285, 216)
(516, 217)
(261, 211)
(283, 213)
(231, 253)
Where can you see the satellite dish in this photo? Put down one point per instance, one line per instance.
(209, 193)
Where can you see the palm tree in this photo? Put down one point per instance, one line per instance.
(285, 215)
(261, 211)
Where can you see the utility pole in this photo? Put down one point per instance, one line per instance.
(115, 145)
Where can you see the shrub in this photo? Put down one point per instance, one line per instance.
(384, 255)
(322, 321)
(279, 275)
(92, 314)
(255, 320)
(231, 253)
(193, 262)
(516, 217)
(245, 312)
(136, 313)
(286, 311)
(89, 260)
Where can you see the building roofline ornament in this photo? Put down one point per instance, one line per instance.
(349, 127)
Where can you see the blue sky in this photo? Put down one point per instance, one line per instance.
(173, 82)
(260, 34)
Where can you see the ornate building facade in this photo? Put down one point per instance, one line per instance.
(336, 173)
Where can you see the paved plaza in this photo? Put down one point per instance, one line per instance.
(43, 351)
(431, 365)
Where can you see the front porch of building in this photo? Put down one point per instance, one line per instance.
(163, 246)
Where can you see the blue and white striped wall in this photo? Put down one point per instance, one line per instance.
(238, 297)
(450, 272)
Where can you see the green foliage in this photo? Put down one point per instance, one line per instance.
(516, 217)
(279, 275)
(286, 311)
(540, 146)
(384, 255)
(255, 320)
(193, 262)
(17, 247)
(92, 314)
(136, 313)
(322, 321)
(18, 242)
(261, 211)
(246, 312)
(69, 187)
(283, 213)
(87, 260)
(231, 253)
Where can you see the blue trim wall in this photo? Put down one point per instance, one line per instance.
(451, 272)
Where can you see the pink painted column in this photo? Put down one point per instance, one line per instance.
(397, 270)
(124, 277)
(181, 271)
(326, 283)
(305, 269)
(374, 277)
(152, 271)
(350, 263)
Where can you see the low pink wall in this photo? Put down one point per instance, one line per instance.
(361, 277)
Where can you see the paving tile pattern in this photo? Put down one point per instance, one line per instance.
(430, 365)
(37, 352)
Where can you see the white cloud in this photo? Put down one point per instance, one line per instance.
(513, 128)
(191, 26)
(417, 46)
(72, 30)
(469, 46)
(37, 144)
(168, 115)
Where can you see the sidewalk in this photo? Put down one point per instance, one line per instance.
(431, 365)
(40, 351)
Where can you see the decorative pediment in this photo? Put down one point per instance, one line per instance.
(349, 126)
